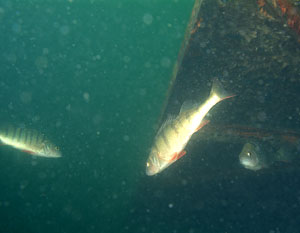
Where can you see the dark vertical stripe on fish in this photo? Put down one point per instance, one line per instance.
(188, 117)
(180, 123)
(166, 141)
(155, 144)
(41, 138)
(174, 132)
(37, 139)
(175, 128)
(21, 136)
(17, 135)
(21, 140)
(25, 135)
(34, 138)
(30, 138)
(13, 134)
(27, 140)
(6, 131)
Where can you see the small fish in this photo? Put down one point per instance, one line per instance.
(252, 157)
(176, 131)
(255, 156)
(29, 141)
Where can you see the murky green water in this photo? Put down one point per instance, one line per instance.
(92, 75)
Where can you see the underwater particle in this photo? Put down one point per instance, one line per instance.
(203, 44)
(142, 92)
(10, 106)
(126, 138)
(12, 58)
(86, 97)
(42, 175)
(33, 163)
(23, 184)
(64, 30)
(147, 19)
(261, 99)
(147, 64)
(6, 203)
(184, 182)
(26, 97)
(45, 51)
(262, 116)
(97, 57)
(225, 73)
(171, 205)
(58, 124)
(16, 28)
(165, 62)
(68, 107)
(35, 118)
(260, 82)
(41, 62)
(126, 59)
(97, 119)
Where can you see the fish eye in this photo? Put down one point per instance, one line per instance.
(148, 164)
(249, 154)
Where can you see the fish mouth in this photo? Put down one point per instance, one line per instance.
(247, 163)
(150, 171)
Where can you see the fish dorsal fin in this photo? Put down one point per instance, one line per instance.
(167, 122)
(188, 106)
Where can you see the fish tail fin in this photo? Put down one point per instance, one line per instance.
(218, 90)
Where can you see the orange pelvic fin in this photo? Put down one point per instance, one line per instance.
(177, 156)
(28, 151)
(174, 157)
(182, 153)
(203, 123)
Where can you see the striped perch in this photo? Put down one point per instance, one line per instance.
(29, 141)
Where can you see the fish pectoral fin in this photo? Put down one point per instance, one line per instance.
(202, 124)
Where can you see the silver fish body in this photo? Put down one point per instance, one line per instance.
(29, 141)
(176, 131)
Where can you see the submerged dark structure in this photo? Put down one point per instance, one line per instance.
(253, 47)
